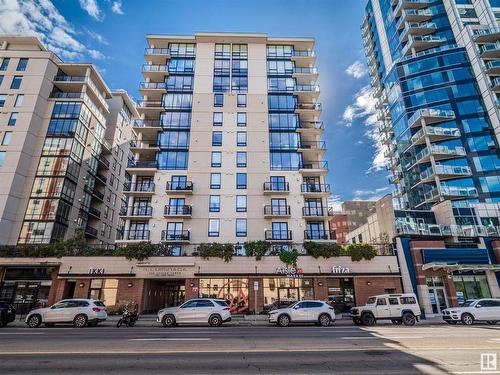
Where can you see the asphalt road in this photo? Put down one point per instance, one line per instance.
(341, 349)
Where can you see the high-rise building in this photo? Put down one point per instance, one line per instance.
(434, 68)
(64, 145)
(228, 144)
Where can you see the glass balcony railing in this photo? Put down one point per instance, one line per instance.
(178, 210)
(276, 186)
(142, 164)
(431, 113)
(133, 235)
(271, 210)
(184, 186)
(155, 68)
(311, 235)
(489, 47)
(147, 124)
(314, 188)
(139, 187)
(314, 165)
(278, 235)
(175, 235)
(157, 51)
(450, 170)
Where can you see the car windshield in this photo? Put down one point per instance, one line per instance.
(220, 302)
(371, 301)
(99, 303)
(468, 303)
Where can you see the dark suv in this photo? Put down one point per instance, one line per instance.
(7, 314)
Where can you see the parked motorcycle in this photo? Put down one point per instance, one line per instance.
(129, 317)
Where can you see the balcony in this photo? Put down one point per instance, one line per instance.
(315, 147)
(133, 235)
(99, 178)
(90, 231)
(304, 57)
(178, 211)
(98, 195)
(486, 35)
(184, 187)
(495, 85)
(492, 67)
(306, 72)
(316, 212)
(150, 105)
(175, 236)
(313, 108)
(409, 4)
(314, 167)
(319, 235)
(439, 153)
(311, 126)
(150, 165)
(449, 192)
(153, 90)
(276, 211)
(140, 188)
(147, 148)
(417, 29)
(103, 161)
(447, 230)
(444, 172)
(430, 116)
(278, 235)
(276, 188)
(419, 43)
(313, 189)
(490, 50)
(137, 211)
(434, 134)
(147, 124)
(75, 83)
(414, 15)
(95, 212)
(155, 71)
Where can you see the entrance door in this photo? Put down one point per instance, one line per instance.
(438, 299)
(25, 297)
(174, 295)
(69, 290)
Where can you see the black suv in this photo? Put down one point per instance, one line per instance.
(7, 314)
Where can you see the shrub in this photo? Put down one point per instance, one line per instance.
(325, 250)
(216, 250)
(289, 257)
(360, 251)
(257, 249)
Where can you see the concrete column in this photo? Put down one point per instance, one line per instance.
(424, 299)
(493, 284)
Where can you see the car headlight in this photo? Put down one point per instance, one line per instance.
(454, 311)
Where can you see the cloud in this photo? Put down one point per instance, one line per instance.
(359, 142)
(92, 8)
(95, 54)
(357, 69)
(370, 195)
(96, 36)
(41, 19)
(335, 203)
(363, 107)
(116, 7)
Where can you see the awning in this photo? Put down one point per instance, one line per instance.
(461, 267)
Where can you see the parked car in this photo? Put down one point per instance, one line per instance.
(201, 311)
(318, 312)
(7, 314)
(80, 312)
(485, 309)
(398, 308)
(278, 304)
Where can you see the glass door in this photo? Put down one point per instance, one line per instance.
(438, 301)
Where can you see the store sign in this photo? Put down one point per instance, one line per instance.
(341, 269)
(165, 271)
(290, 272)
(96, 271)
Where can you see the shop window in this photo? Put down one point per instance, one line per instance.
(104, 290)
(234, 291)
(471, 287)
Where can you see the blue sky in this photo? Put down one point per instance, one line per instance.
(111, 34)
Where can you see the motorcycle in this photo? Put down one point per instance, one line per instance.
(129, 317)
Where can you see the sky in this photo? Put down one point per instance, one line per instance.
(111, 35)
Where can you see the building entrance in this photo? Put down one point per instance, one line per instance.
(159, 294)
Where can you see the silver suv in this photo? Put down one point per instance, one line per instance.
(487, 309)
(201, 311)
(317, 312)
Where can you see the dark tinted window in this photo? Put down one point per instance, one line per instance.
(393, 301)
(99, 303)
(82, 304)
(301, 305)
(381, 302)
(408, 300)
(314, 304)
(204, 303)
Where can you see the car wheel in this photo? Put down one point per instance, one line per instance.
(467, 319)
(283, 320)
(324, 320)
(452, 322)
(368, 319)
(34, 321)
(49, 325)
(168, 320)
(215, 321)
(491, 322)
(397, 322)
(80, 321)
(357, 321)
(409, 319)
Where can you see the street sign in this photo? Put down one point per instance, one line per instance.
(255, 285)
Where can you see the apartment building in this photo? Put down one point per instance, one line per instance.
(434, 74)
(64, 146)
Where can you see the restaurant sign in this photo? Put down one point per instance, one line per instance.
(290, 272)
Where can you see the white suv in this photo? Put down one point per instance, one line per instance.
(80, 312)
(398, 308)
(317, 312)
(201, 311)
(486, 309)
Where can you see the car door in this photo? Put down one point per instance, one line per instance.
(300, 312)
(314, 310)
(394, 307)
(203, 310)
(186, 312)
(485, 310)
(55, 313)
(383, 309)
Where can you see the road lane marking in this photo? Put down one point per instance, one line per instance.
(359, 338)
(22, 333)
(173, 339)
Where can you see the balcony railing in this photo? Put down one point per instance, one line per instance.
(150, 104)
(447, 230)
(153, 85)
(306, 70)
(142, 164)
(315, 165)
(311, 125)
(147, 124)
(94, 212)
(137, 210)
(178, 210)
(98, 195)
(309, 106)
(312, 235)
(278, 235)
(133, 235)
(271, 210)
(155, 68)
(314, 188)
(445, 170)
(180, 186)
(312, 145)
(431, 113)
(145, 187)
(316, 211)
(90, 231)
(103, 161)
(157, 51)
(276, 186)
(175, 235)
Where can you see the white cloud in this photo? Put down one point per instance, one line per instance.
(357, 69)
(97, 55)
(363, 107)
(97, 37)
(92, 8)
(40, 18)
(359, 142)
(116, 7)
(335, 203)
(370, 195)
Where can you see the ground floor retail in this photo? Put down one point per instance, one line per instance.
(247, 284)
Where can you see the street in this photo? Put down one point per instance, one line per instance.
(339, 349)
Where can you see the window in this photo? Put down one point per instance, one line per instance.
(280, 231)
(16, 82)
(215, 181)
(217, 118)
(21, 65)
(104, 290)
(241, 203)
(381, 302)
(172, 160)
(3, 98)
(218, 100)
(393, 301)
(216, 138)
(241, 227)
(241, 159)
(241, 180)
(2, 158)
(407, 300)
(241, 100)
(278, 183)
(241, 119)
(241, 139)
(213, 227)
(6, 138)
(19, 100)
(204, 303)
(5, 64)
(214, 204)
(216, 159)
(12, 119)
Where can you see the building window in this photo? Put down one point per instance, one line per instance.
(241, 180)
(214, 204)
(104, 290)
(241, 139)
(216, 159)
(241, 100)
(241, 227)
(2, 158)
(19, 100)
(5, 64)
(21, 65)
(213, 227)
(16, 82)
(12, 119)
(241, 159)
(217, 118)
(218, 100)
(6, 138)
(241, 203)
(241, 119)
(216, 138)
(3, 98)
(215, 181)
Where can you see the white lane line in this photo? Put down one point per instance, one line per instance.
(173, 339)
(476, 372)
(22, 333)
(179, 332)
(359, 338)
